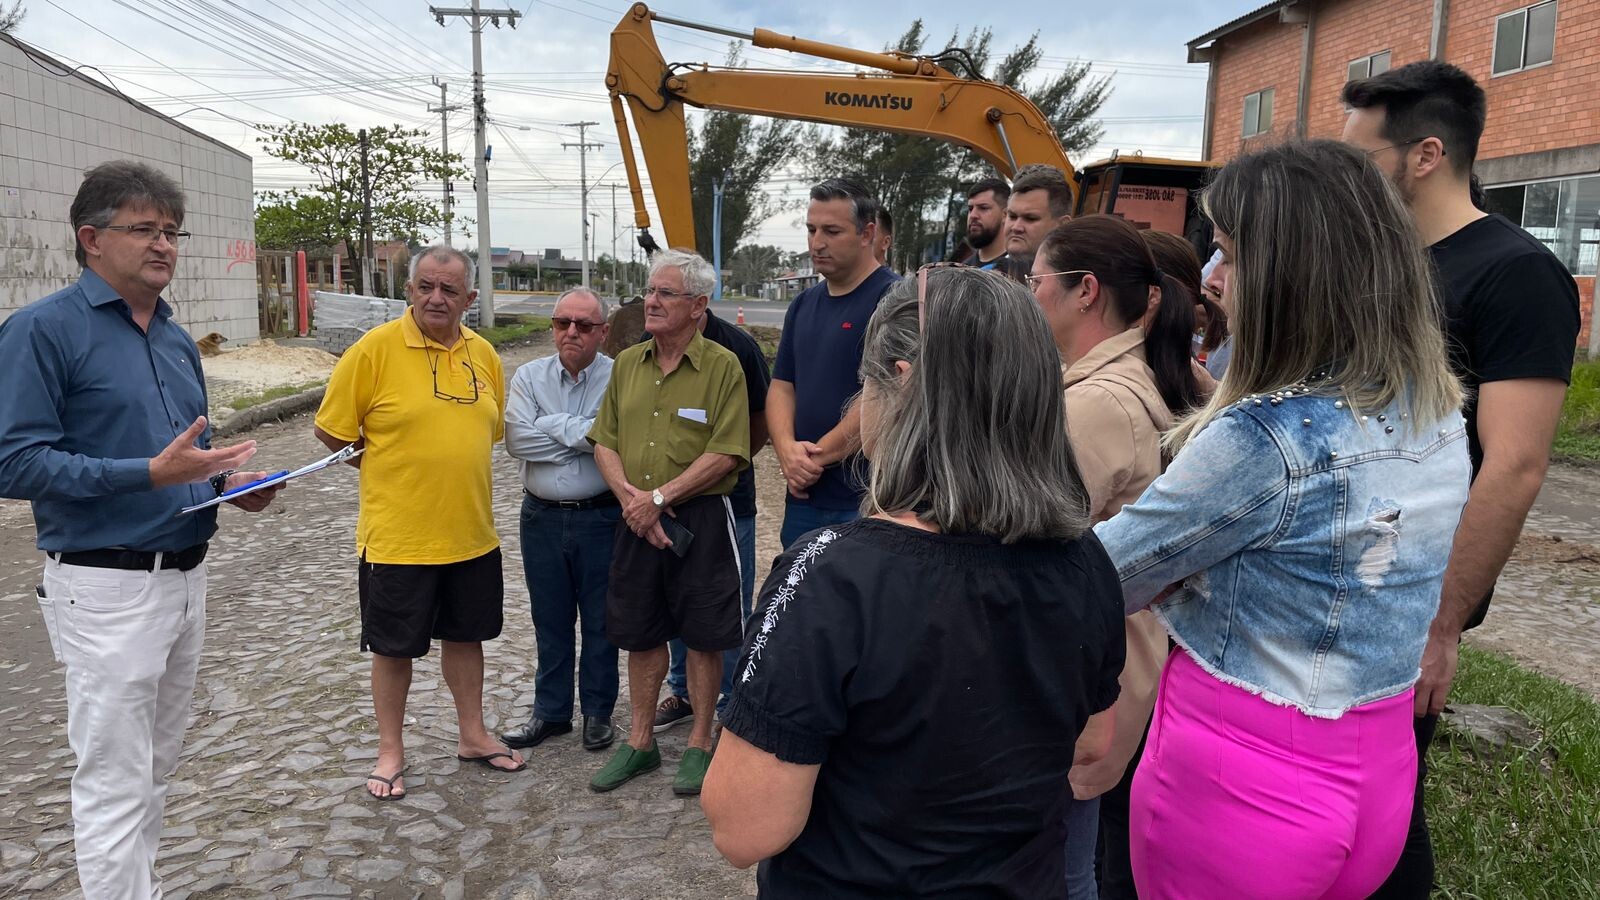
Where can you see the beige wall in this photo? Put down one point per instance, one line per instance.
(52, 128)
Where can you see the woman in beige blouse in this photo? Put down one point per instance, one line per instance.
(1096, 280)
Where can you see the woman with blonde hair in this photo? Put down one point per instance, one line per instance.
(1303, 527)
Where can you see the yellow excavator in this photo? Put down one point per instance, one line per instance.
(906, 94)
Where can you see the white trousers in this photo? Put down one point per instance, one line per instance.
(131, 644)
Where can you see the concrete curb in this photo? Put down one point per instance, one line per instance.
(271, 411)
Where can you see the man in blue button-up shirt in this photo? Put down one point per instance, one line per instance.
(102, 427)
(569, 520)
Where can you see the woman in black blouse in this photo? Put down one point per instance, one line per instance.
(914, 684)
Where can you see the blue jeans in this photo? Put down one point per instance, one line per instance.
(1083, 834)
(801, 518)
(566, 557)
(744, 531)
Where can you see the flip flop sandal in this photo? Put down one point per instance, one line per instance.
(488, 761)
(388, 781)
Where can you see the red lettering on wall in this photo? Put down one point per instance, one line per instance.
(242, 253)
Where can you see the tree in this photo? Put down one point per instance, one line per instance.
(755, 264)
(329, 211)
(743, 152)
(921, 181)
(11, 18)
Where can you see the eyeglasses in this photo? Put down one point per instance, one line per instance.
(1398, 146)
(562, 323)
(1035, 280)
(149, 233)
(433, 364)
(664, 294)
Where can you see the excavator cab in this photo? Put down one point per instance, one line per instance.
(1150, 192)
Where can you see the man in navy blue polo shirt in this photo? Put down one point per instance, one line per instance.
(102, 426)
(815, 376)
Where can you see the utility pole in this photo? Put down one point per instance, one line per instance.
(366, 218)
(480, 114)
(614, 241)
(444, 109)
(716, 235)
(594, 225)
(633, 251)
(583, 187)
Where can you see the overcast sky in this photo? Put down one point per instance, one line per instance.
(370, 62)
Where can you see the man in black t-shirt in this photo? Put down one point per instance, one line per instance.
(1511, 324)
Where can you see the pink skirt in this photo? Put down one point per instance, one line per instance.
(1239, 797)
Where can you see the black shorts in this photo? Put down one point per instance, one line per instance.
(404, 608)
(655, 595)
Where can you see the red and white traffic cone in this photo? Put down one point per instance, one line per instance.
(740, 320)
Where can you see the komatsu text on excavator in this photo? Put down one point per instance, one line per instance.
(905, 94)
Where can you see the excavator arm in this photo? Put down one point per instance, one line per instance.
(913, 96)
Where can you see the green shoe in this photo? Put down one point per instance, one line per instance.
(691, 772)
(623, 766)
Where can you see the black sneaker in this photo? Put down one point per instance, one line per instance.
(673, 711)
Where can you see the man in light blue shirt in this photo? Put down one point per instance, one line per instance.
(569, 518)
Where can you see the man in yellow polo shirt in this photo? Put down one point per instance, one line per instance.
(671, 435)
(425, 397)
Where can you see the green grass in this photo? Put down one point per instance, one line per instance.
(517, 329)
(1578, 436)
(1514, 828)
(277, 393)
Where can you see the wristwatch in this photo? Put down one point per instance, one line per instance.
(658, 498)
(220, 479)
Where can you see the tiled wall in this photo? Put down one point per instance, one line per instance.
(52, 128)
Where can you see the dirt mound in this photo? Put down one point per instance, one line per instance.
(262, 366)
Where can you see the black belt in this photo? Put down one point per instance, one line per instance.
(596, 502)
(138, 560)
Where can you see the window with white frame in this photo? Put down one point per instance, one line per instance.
(1368, 66)
(1563, 213)
(1258, 113)
(1525, 38)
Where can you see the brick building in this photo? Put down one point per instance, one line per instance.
(1277, 71)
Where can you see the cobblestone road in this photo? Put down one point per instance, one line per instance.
(269, 798)
(269, 801)
(1546, 609)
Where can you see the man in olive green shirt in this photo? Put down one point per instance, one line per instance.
(670, 438)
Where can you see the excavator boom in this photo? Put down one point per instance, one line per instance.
(912, 96)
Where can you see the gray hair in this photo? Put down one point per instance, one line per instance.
(605, 308)
(699, 279)
(446, 252)
(111, 186)
(975, 438)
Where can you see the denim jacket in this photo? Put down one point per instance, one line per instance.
(1310, 542)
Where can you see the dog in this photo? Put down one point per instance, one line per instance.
(211, 344)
